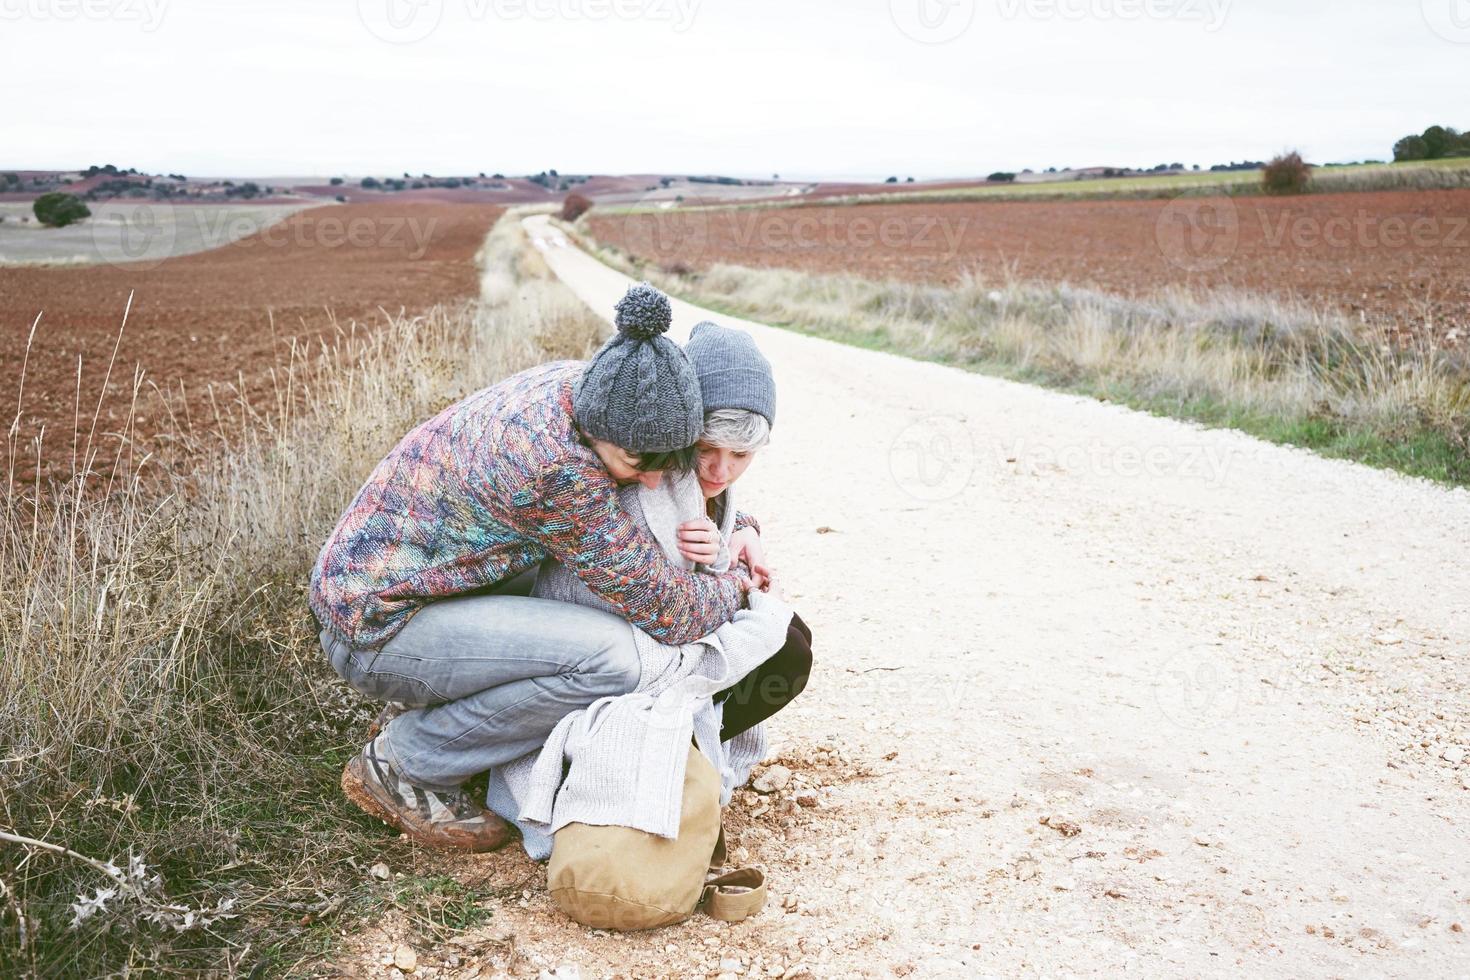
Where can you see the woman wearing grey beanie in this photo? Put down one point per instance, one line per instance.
(739, 397)
(404, 589)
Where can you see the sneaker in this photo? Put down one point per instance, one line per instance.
(434, 818)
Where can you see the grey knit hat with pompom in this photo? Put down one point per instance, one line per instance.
(640, 392)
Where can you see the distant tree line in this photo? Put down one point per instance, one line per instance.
(1435, 143)
(407, 182)
(119, 187)
(108, 169)
(549, 179)
(1158, 168)
(553, 181)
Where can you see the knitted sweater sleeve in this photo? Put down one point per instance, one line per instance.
(579, 520)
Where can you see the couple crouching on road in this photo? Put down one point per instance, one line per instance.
(604, 486)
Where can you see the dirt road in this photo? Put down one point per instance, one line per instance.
(1107, 693)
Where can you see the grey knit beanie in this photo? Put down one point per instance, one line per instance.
(639, 391)
(733, 373)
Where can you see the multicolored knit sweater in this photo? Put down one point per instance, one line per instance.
(486, 489)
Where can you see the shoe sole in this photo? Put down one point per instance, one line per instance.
(356, 788)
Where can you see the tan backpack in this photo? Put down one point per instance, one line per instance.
(626, 879)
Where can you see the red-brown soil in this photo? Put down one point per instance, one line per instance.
(214, 317)
(1400, 255)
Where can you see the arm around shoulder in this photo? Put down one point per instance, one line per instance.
(573, 511)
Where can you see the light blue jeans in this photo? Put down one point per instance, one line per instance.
(487, 679)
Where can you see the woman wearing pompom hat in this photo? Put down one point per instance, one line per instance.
(522, 471)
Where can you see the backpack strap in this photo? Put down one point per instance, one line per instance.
(734, 896)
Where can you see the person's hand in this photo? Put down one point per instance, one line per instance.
(746, 546)
(772, 586)
(699, 540)
(760, 576)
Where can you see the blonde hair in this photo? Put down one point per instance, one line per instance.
(737, 429)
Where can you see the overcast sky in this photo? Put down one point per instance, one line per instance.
(746, 87)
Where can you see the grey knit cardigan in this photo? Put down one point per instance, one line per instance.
(627, 754)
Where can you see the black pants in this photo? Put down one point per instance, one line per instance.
(771, 686)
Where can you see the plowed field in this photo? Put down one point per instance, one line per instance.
(1400, 255)
(219, 316)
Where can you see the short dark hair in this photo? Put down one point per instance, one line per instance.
(684, 460)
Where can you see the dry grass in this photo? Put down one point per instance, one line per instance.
(1285, 372)
(161, 690)
(1330, 180)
